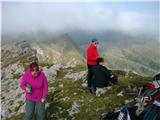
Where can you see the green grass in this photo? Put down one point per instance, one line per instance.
(28, 58)
(17, 117)
(79, 68)
(92, 107)
(17, 76)
(119, 73)
(26, 66)
(17, 108)
(48, 65)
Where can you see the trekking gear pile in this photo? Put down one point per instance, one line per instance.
(147, 107)
(150, 100)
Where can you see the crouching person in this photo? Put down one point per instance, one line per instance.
(102, 77)
(35, 85)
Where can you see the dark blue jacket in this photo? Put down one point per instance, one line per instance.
(101, 76)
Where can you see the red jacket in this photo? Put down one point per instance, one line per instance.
(92, 54)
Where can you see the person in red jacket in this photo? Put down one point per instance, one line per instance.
(92, 56)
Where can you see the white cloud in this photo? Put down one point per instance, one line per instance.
(75, 1)
(69, 16)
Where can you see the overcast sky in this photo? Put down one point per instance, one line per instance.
(129, 17)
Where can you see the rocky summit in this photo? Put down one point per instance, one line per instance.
(64, 66)
(69, 97)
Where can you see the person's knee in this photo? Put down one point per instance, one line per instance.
(29, 115)
(30, 107)
(40, 110)
(40, 115)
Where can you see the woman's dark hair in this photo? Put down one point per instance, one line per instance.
(100, 60)
(34, 65)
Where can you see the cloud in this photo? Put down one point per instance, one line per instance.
(26, 16)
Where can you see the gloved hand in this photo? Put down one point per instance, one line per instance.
(28, 88)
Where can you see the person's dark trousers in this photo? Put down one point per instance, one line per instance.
(37, 107)
(93, 88)
(158, 117)
(89, 76)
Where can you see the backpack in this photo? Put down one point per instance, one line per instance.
(122, 114)
(157, 77)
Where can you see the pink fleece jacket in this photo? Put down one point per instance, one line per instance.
(38, 84)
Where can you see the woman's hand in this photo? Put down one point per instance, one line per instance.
(27, 89)
(43, 100)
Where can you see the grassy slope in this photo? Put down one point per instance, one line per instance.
(91, 107)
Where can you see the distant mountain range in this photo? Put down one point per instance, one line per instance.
(141, 56)
(124, 51)
(46, 47)
(121, 51)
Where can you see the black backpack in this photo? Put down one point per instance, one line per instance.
(157, 77)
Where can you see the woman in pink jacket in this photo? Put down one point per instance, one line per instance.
(35, 85)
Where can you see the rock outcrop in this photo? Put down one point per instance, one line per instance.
(13, 51)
